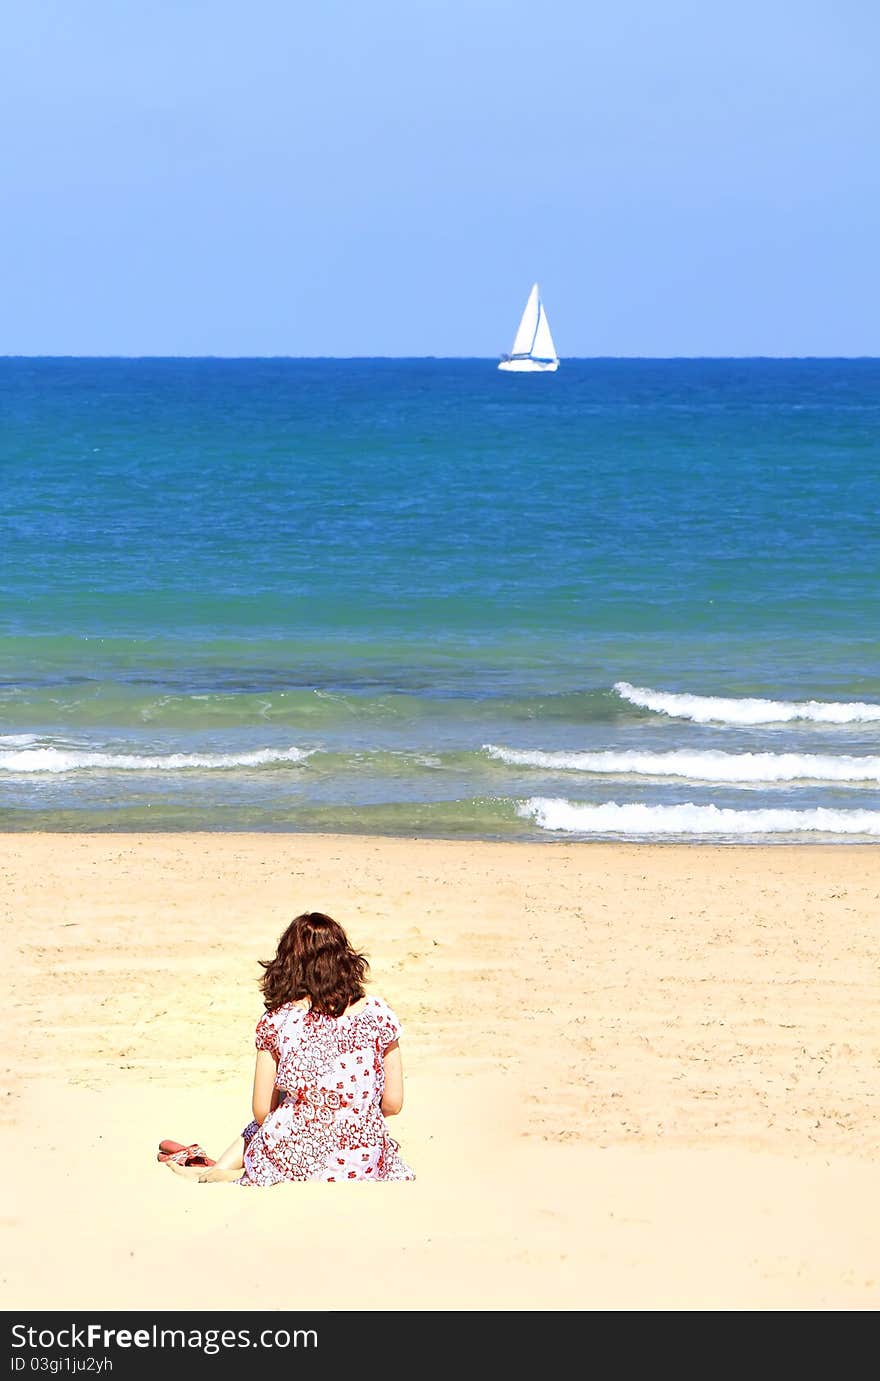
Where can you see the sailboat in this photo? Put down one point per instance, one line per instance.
(533, 349)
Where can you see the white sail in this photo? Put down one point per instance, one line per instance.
(542, 346)
(528, 325)
(533, 349)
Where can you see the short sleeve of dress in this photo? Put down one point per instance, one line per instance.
(266, 1037)
(390, 1028)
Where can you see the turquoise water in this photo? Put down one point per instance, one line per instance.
(633, 599)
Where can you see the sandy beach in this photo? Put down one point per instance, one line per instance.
(638, 1077)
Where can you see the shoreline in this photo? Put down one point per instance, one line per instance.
(465, 841)
(637, 1076)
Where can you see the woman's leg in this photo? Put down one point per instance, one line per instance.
(233, 1157)
(229, 1165)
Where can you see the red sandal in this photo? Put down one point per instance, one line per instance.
(184, 1155)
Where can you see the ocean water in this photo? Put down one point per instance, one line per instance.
(636, 599)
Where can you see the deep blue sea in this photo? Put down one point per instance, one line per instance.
(634, 599)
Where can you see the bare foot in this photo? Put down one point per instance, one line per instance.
(215, 1174)
(189, 1172)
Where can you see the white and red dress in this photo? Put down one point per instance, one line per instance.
(330, 1124)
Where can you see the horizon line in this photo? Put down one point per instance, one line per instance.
(482, 359)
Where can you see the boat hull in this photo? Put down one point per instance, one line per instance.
(529, 366)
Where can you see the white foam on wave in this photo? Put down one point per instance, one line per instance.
(572, 817)
(719, 709)
(74, 760)
(712, 765)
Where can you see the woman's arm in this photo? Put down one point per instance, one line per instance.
(264, 1085)
(392, 1096)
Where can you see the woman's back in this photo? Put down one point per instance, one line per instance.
(331, 1055)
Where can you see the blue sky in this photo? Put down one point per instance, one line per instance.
(389, 176)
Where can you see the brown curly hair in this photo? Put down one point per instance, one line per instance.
(314, 960)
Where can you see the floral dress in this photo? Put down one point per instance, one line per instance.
(329, 1125)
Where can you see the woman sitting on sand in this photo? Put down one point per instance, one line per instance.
(328, 1072)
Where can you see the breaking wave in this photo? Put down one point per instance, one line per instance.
(700, 766)
(717, 709)
(71, 760)
(571, 817)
